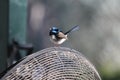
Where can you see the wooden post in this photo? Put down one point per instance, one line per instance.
(3, 33)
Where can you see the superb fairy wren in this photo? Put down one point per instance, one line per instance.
(58, 37)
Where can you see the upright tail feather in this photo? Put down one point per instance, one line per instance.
(73, 29)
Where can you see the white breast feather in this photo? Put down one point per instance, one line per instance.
(55, 41)
(61, 41)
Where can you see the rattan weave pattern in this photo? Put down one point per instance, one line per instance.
(55, 63)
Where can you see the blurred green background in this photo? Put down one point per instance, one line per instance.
(98, 38)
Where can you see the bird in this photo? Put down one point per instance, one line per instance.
(58, 37)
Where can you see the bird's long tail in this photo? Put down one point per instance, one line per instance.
(73, 29)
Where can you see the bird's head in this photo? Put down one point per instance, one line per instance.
(54, 31)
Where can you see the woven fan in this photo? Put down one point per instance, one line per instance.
(55, 63)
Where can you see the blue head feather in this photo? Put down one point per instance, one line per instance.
(54, 30)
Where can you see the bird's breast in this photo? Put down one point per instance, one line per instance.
(61, 41)
(56, 40)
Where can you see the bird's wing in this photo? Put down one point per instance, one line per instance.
(61, 35)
